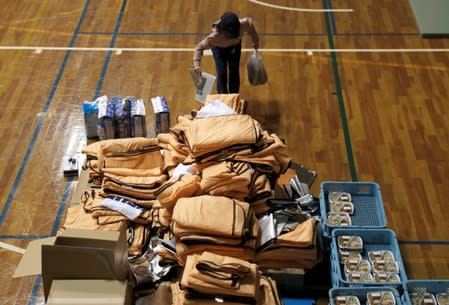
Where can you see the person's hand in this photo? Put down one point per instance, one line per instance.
(197, 70)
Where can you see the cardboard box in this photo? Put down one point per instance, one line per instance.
(81, 292)
(76, 254)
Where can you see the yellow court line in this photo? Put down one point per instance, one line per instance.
(7, 76)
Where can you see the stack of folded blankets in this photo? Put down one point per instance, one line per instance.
(217, 224)
(205, 184)
(208, 278)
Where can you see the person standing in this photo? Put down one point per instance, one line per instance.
(226, 45)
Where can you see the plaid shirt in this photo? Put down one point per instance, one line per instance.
(217, 39)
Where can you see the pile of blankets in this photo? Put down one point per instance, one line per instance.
(205, 186)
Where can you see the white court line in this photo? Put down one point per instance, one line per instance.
(11, 248)
(307, 10)
(208, 52)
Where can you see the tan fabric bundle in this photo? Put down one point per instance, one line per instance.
(268, 292)
(146, 203)
(268, 295)
(171, 142)
(146, 158)
(296, 249)
(302, 236)
(269, 156)
(232, 100)
(183, 250)
(180, 298)
(138, 239)
(133, 172)
(260, 187)
(172, 190)
(78, 218)
(284, 257)
(136, 187)
(92, 203)
(125, 144)
(216, 216)
(210, 134)
(227, 153)
(138, 180)
(161, 217)
(212, 274)
(231, 179)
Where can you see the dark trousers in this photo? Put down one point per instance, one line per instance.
(228, 58)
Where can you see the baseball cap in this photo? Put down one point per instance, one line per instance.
(229, 25)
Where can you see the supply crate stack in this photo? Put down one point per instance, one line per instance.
(365, 260)
(361, 206)
(364, 296)
(433, 292)
(366, 257)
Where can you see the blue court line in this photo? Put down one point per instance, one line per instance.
(109, 54)
(36, 286)
(62, 203)
(38, 281)
(260, 33)
(38, 128)
(19, 175)
(23, 236)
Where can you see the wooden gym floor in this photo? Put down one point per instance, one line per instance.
(357, 94)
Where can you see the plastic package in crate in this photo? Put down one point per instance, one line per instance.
(415, 290)
(375, 241)
(363, 293)
(367, 201)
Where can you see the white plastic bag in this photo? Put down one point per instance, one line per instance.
(256, 70)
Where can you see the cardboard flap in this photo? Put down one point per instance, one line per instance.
(91, 234)
(113, 242)
(86, 242)
(30, 264)
(66, 262)
(95, 292)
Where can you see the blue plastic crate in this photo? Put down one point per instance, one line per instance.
(373, 240)
(361, 293)
(431, 286)
(369, 210)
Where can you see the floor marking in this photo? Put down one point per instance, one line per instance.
(14, 62)
(307, 10)
(11, 248)
(340, 98)
(207, 52)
